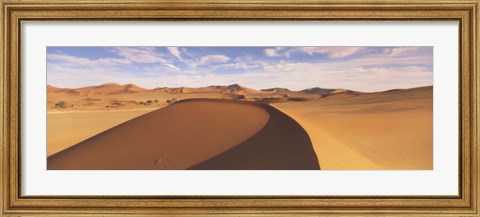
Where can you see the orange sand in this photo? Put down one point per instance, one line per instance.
(195, 134)
(388, 130)
(65, 129)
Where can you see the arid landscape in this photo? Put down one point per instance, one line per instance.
(125, 126)
(239, 108)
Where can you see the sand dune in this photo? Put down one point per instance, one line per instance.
(115, 96)
(282, 144)
(385, 130)
(346, 129)
(327, 92)
(65, 129)
(195, 134)
(331, 152)
(108, 88)
(230, 89)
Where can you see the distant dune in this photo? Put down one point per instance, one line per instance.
(328, 92)
(116, 96)
(108, 88)
(230, 89)
(196, 134)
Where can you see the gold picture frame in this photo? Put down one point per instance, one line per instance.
(15, 12)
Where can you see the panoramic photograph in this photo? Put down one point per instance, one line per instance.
(239, 108)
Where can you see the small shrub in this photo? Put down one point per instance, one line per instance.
(172, 101)
(61, 104)
(117, 103)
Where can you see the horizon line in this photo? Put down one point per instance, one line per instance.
(115, 83)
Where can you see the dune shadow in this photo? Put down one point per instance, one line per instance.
(203, 134)
(281, 145)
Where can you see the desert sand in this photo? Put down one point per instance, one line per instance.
(68, 128)
(386, 130)
(115, 126)
(113, 96)
(196, 134)
(76, 114)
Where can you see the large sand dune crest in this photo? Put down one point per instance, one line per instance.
(194, 133)
(281, 145)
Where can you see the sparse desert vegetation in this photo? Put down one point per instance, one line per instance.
(60, 105)
(171, 101)
(112, 96)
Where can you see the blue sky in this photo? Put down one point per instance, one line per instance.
(358, 68)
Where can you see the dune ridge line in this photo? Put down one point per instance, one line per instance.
(191, 133)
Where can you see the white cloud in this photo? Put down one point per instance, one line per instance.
(236, 65)
(171, 67)
(139, 54)
(331, 52)
(296, 76)
(399, 51)
(175, 52)
(85, 62)
(405, 60)
(187, 58)
(375, 70)
(272, 52)
(213, 59)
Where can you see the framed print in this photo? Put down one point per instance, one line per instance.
(252, 108)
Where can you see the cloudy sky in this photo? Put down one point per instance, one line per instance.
(358, 68)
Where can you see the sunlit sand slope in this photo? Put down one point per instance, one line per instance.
(192, 133)
(65, 129)
(385, 130)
